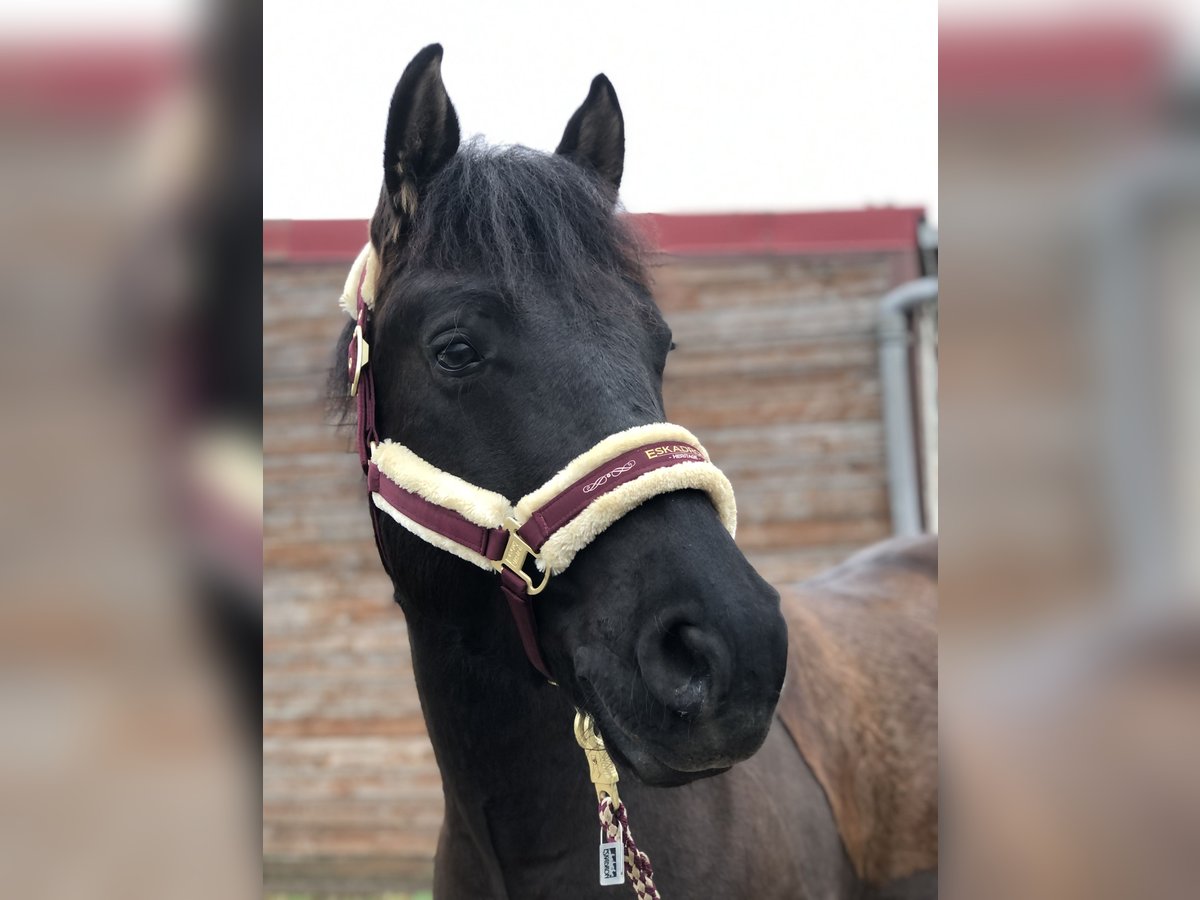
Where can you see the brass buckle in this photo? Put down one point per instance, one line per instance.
(362, 352)
(516, 552)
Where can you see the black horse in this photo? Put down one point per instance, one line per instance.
(514, 328)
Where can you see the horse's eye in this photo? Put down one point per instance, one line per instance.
(457, 355)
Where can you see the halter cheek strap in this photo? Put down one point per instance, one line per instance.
(551, 524)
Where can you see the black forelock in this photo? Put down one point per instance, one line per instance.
(511, 216)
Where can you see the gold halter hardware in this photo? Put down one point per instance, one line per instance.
(516, 551)
(601, 768)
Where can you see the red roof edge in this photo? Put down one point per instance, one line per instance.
(313, 240)
(873, 230)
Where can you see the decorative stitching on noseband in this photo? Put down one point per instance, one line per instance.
(603, 479)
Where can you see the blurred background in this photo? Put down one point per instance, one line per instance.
(1070, 410)
(131, 494)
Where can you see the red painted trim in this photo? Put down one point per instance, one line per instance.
(313, 240)
(742, 234)
(87, 79)
(854, 231)
(1109, 62)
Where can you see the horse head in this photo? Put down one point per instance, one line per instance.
(513, 329)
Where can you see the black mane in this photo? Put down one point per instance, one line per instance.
(508, 214)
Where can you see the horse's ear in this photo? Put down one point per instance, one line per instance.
(422, 131)
(595, 136)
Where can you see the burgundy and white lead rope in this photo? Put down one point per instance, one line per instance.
(615, 824)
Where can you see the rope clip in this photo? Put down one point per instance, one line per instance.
(601, 768)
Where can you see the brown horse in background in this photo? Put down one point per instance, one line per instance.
(862, 640)
(767, 750)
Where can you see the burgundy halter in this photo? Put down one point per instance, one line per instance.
(509, 546)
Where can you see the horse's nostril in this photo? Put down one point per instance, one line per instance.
(683, 649)
(682, 666)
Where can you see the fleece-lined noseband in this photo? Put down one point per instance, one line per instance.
(551, 524)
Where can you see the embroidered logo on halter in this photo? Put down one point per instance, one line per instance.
(675, 451)
(603, 479)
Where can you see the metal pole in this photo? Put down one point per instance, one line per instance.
(896, 385)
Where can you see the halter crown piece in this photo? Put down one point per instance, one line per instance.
(551, 525)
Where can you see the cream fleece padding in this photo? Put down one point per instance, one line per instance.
(367, 259)
(612, 446)
(558, 552)
(411, 472)
(490, 510)
(432, 537)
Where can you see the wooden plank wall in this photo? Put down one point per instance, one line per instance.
(775, 371)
